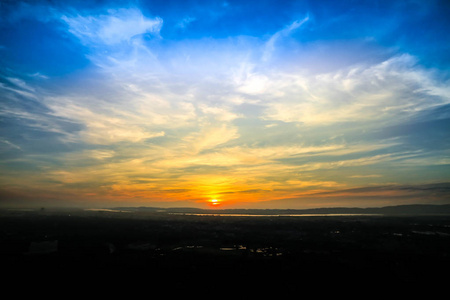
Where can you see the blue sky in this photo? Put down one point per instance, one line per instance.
(280, 104)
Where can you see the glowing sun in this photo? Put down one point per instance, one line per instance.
(214, 202)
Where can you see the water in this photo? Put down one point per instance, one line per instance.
(272, 215)
(236, 214)
(107, 210)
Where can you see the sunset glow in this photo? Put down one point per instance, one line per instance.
(272, 104)
(214, 202)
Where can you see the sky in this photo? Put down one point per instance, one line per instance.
(230, 104)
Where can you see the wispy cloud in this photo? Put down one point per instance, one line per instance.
(395, 87)
(366, 176)
(119, 25)
(270, 45)
(185, 22)
(9, 144)
(101, 125)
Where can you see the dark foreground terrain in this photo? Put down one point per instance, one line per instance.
(218, 254)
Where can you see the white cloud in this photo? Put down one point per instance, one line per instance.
(255, 84)
(117, 26)
(386, 92)
(185, 22)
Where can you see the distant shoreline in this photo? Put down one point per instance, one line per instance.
(417, 209)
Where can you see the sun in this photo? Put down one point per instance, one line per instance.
(214, 202)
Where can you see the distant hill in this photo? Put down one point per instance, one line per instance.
(417, 209)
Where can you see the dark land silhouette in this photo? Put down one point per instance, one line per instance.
(176, 249)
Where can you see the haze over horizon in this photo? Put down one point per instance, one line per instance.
(227, 104)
